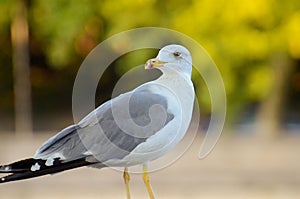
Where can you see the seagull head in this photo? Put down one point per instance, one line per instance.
(174, 57)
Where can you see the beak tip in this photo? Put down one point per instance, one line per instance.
(153, 63)
(149, 64)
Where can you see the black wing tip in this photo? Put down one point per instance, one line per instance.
(17, 167)
(5, 169)
(3, 179)
(16, 177)
(26, 169)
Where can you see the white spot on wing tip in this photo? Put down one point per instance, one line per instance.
(49, 162)
(35, 167)
(7, 168)
(2, 179)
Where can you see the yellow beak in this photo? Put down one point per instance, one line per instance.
(153, 63)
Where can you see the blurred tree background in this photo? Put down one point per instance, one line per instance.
(255, 44)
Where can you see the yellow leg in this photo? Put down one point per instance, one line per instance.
(147, 181)
(126, 177)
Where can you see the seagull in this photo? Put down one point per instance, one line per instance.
(131, 129)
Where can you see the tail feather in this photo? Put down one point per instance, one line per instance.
(30, 168)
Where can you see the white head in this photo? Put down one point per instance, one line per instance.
(172, 56)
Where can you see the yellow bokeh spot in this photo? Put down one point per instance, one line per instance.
(293, 35)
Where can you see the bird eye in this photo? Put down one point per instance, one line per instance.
(177, 54)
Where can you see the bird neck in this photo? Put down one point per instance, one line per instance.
(175, 73)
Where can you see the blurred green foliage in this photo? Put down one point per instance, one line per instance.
(240, 36)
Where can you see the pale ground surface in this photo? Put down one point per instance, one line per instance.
(237, 168)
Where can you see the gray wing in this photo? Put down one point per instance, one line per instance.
(101, 134)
